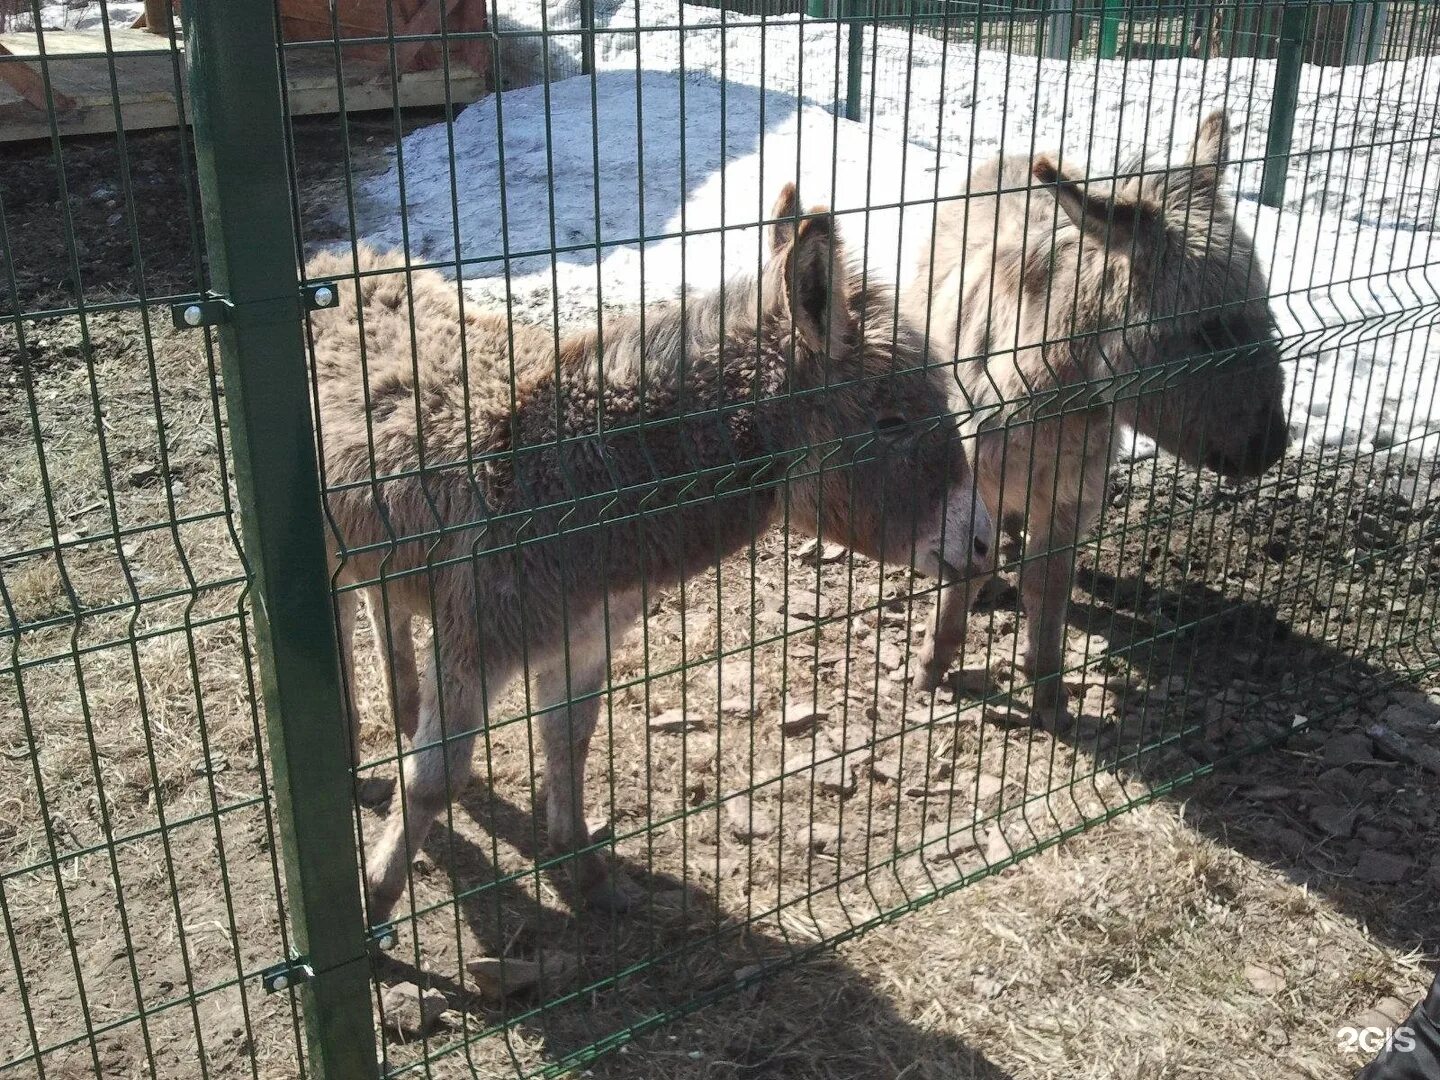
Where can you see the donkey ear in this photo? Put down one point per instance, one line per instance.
(786, 207)
(1212, 142)
(814, 284)
(1207, 158)
(1093, 214)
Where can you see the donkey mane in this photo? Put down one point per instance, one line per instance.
(722, 347)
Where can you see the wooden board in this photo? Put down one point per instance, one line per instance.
(144, 91)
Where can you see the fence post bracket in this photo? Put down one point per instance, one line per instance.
(209, 310)
(319, 295)
(384, 937)
(286, 974)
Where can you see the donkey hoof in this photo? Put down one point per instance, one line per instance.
(381, 899)
(598, 886)
(375, 791)
(608, 891)
(1051, 710)
(609, 897)
(930, 676)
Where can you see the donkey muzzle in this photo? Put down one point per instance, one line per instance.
(1263, 449)
(966, 543)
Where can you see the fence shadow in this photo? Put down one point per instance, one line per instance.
(1320, 805)
(820, 1018)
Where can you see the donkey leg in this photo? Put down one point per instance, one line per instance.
(395, 643)
(947, 635)
(1045, 581)
(1045, 592)
(571, 701)
(436, 773)
(346, 606)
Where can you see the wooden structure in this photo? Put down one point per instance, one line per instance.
(147, 70)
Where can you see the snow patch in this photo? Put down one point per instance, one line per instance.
(690, 154)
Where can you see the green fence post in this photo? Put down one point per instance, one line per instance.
(1110, 28)
(1365, 32)
(1290, 56)
(1375, 38)
(1058, 29)
(233, 58)
(815, 8)
(853, 12)
(587, 37)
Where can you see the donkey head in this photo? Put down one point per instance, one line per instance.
(1184, 305)
(885, 474)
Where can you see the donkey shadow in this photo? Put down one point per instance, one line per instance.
(677, 949)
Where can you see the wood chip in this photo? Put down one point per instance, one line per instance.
(975, 682)
(821, 836)
(997, 848)
(837, 777)
(813, 551)
(966, 786)
(746, 821)
(1383, 868)
(890, 656)
(749, 972)
(799, 718)
(963, 842)
(1268, 792)
(1399, 748)
(497, 978)
(1348, 750)
(886, 768)
(807, 606)
(1265, 980)
(410, 1012)
(673, 720)
(1334, 820)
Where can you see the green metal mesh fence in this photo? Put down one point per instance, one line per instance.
(630, 493)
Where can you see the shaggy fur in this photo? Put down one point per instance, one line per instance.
(1087, 306)
(519, 494)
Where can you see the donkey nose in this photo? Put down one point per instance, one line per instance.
(982, 549)
(1266, 446)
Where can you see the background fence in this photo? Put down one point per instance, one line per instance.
(183, 839)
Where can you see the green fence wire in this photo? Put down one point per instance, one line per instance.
(570, 451)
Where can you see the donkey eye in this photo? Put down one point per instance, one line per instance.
(891, 426)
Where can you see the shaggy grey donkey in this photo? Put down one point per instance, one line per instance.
(1072, 308)
(519, 494)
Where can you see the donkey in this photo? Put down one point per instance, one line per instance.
(1072, 299)
(524, 517)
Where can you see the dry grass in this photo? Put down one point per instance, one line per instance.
(128, 700)
(1123, 953)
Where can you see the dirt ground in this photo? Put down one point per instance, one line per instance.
(1232, 926)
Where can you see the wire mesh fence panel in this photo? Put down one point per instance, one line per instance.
(775, 469)
(139, 889)
(564, 447)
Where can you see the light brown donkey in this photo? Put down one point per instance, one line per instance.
(523, 517)
(1072, 308)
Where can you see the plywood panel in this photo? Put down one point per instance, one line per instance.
(144, 92)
